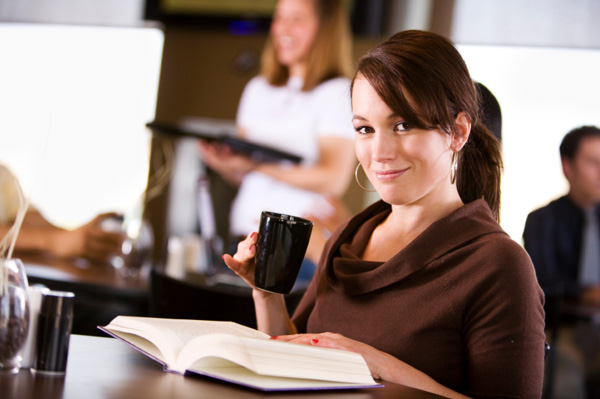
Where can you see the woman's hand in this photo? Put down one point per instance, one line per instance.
(242, 262)
(271, 312)
(383, 366)
(378, 362)
(231, 166)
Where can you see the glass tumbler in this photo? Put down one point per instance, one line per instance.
(14, 314)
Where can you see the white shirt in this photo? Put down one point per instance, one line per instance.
(290, 120)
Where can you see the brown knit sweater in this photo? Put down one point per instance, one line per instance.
(460, 303)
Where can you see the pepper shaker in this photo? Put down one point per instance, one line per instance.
(54, 330)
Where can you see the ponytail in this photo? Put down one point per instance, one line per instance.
(480, 168)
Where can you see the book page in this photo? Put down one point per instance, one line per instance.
(171, 335)
(141, 344)
(275, 358)
(222, 346)
(188, 330)
(286, 359)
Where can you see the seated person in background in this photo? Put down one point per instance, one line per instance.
(37, 235)
(299, 103)
(563, 242)
(424, 284)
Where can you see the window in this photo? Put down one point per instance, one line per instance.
(543, 93)
(74, 102)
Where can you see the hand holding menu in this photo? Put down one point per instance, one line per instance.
(219, 131)
(231, 352)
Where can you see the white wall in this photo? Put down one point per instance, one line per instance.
(82, 12)
(546, 23)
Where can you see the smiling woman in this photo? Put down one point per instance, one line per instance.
(424, 284)
(73, 108)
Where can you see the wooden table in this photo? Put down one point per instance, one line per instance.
(106, 368)
(101, 292)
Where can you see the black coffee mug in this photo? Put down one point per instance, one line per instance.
(280, 250)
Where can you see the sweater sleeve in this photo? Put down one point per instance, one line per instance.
(504, 326)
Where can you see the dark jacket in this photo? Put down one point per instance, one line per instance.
(552, 237)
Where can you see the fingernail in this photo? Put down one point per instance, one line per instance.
(314, 341)
(274, 337)
(253, 235)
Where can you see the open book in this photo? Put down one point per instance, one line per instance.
(231, 352)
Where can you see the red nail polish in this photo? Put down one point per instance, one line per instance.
(314, 341)
(274, 337)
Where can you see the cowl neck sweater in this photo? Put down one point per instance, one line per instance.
(460, 302)
(349, 274)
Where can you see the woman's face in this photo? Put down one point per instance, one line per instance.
(293, 30)
(404, 164)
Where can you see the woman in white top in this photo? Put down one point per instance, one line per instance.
(300, 104)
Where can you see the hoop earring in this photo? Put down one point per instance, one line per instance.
(453, 167)
(358, 181)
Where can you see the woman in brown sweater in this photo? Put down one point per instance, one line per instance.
(425, 284)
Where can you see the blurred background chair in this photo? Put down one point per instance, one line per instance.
(194, 298)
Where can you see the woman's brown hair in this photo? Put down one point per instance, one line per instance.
(422, 77)
(330, 55)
